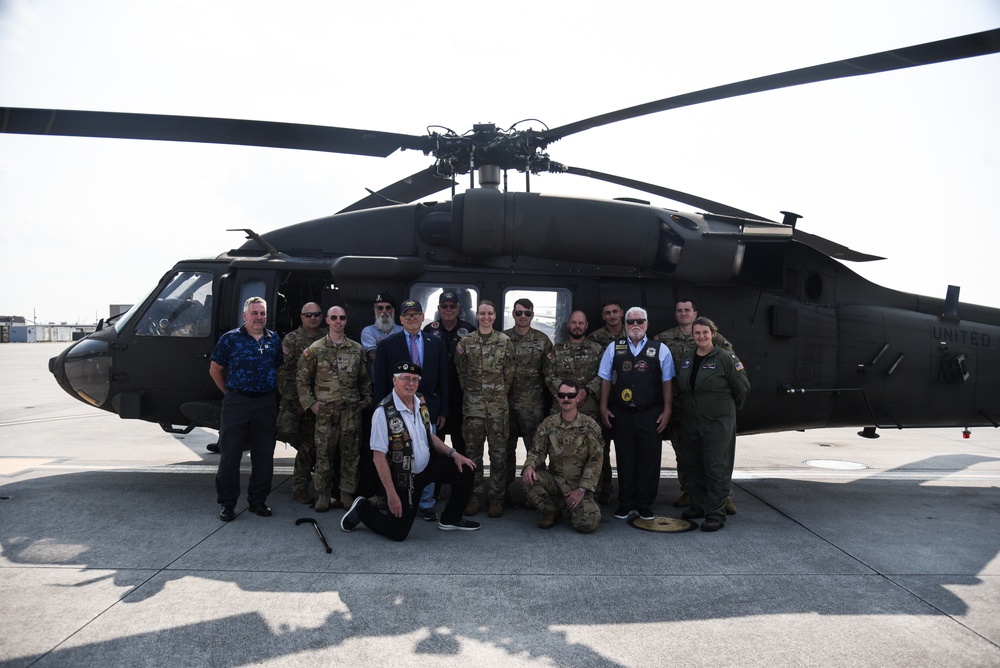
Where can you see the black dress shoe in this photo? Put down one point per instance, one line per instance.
(228, 513)
(260, 509)
(213, 447)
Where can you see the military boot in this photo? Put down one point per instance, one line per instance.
(323, 503)
(302, 495)
(475, 505)
(730, 506)
(496, 509)
(683, 501)
(549, 519)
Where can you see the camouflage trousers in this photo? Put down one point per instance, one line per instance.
(548, 494)
(477, 431)
(524, 421)
(338, 434)
(299, 431)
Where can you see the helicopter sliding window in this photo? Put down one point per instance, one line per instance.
(551, 308)
(428, 295)
(183, 308)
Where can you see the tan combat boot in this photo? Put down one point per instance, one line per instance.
(475, 505)
(549, 519)
(730, 506)
(683, 501)
(496, 509)
(323, 502)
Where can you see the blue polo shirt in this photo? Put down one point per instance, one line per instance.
(251, 365)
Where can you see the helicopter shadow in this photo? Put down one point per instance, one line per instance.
(139, 566)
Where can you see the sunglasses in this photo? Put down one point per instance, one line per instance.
(337, 317)
(448, 305)
(567, 395)
(635, 321)
(520, 312)
(382, 307)
(312, 314)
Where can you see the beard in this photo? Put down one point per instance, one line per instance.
(384, 323)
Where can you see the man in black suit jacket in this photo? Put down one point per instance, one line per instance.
(433, 358)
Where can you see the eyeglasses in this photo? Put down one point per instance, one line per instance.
(567, 395)
(520, 312)
(337, 317)
(312, 314)
(407, 379)
(383, 307)
(447, 305)
(412, 315)
(635, 321)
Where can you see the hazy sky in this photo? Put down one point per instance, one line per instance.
(905, 164)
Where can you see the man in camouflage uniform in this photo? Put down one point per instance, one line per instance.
(485, 363)
(572, 444)
(527, 392)
(578, 358)
(680, 340)
(333, 382)
(614, 328)
(296, 426)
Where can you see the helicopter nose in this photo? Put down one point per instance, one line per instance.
(84, 371)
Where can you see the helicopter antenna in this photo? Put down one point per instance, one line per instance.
(259, 239)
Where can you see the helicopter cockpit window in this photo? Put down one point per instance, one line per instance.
(429, 294)
(183, 308)
(551, 309)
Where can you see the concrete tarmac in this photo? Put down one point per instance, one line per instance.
(844, 552)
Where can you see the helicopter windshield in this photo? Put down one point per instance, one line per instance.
(183, 308)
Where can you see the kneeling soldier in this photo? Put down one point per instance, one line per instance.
(574, 448)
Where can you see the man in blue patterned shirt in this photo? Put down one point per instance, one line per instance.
(245, 366)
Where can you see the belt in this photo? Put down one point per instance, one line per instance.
(252, 395)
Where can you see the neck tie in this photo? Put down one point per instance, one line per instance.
(414, 351)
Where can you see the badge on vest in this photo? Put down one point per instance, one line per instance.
(396, 425)
(627, 395)
(626, 366)
(641, 366)
(651, 352)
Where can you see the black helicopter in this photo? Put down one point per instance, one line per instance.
(823, 346)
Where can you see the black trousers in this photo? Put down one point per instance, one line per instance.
(246, 419)
(440, 469)
(638, 448)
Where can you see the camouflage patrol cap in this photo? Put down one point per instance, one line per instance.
(447, 296)
(410, 304)
(407, 367)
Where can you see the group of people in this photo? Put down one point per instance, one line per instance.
(484, 389)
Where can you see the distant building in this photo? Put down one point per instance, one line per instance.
(15, 329)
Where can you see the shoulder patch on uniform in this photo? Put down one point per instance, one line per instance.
(306, 353)
(739, 365)
(459, 349)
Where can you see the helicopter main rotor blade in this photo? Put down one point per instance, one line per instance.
(158, 127)
(669, 193)
(966, 46)
(825, 246)
(416, 186)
